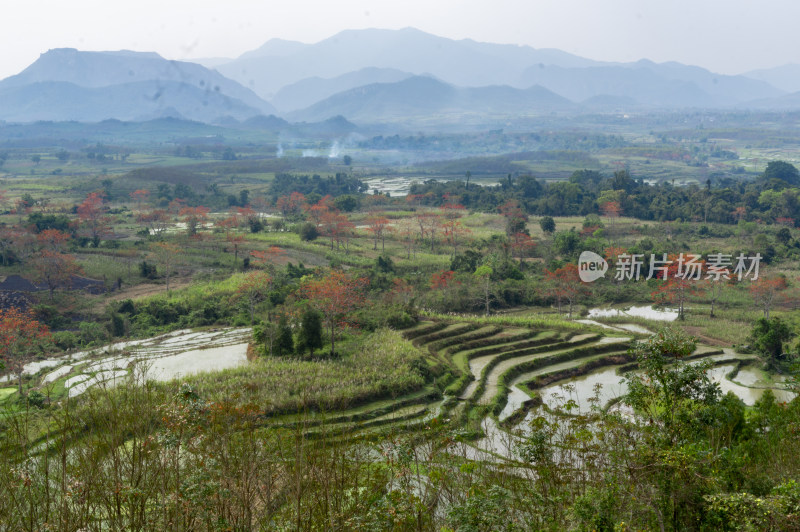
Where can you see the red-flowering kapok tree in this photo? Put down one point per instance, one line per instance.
(291, 205)
(21, 336)
(318, 210)
(766, 290)
(565, 284)
(441, 279)
(378, 226)
(254, 289)
(334, 296)
(167, 255)
(612, 210)
(156, 221)
(194, 218)
(516, 217)
(93, 218)
(522, 245)
(445, 284)
(677, 288)
(51, 264)
(140, 196)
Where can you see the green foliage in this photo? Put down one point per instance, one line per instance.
(397, 509)
(591, 220)
(118, 327)
(347, 203)
(507, 270)
(547, 224)
(538, 321)
(65, 340)
(201, 304)
(255, 225)
(92, 334)
(385, 264)
(308, 232)
(274, 339)
(51, 316)
(599, 471)
(284, 345)
(208, 313)
(378, 365)
(148, 271)
(158, 312)
(769, 336)
(745, 511)
(228, 154)
(483, 271)
(297, 272)
(126, 307)
(284, 184)
(668, 387)
(466, 262)
(596, 509)
(567, 243)
(380, 315)
(782, 171)
(35, 398)
(41, 222)
(310, 334)
(484, 509)
(425, 329)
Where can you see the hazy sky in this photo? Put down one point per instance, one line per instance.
(727, 36)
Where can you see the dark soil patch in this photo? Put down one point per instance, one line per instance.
(16, 283)
(93, 286)
(9, 299)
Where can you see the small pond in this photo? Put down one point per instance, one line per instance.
(647, 312)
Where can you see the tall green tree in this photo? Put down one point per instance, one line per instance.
(310, 337)
(285, 341)
(672, 399)
(668, 385)
(547, 224)
(769, 336)
(782, 170)
(484, 276)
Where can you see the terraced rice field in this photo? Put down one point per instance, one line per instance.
(507, 373)
(493, 377)
(166, 357)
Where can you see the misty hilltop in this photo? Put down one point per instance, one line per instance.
(419, 96)
(68, 84)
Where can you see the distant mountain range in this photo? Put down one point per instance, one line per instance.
(369, 76)
(67, 84)
(465, 63)
(650, 84)
(308, 91)
(360, 57)
(424, 96)
(785, 78)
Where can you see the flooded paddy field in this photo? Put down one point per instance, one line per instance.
(508, 374)
(165, 357)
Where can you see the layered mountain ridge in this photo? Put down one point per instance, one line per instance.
(370, 76)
